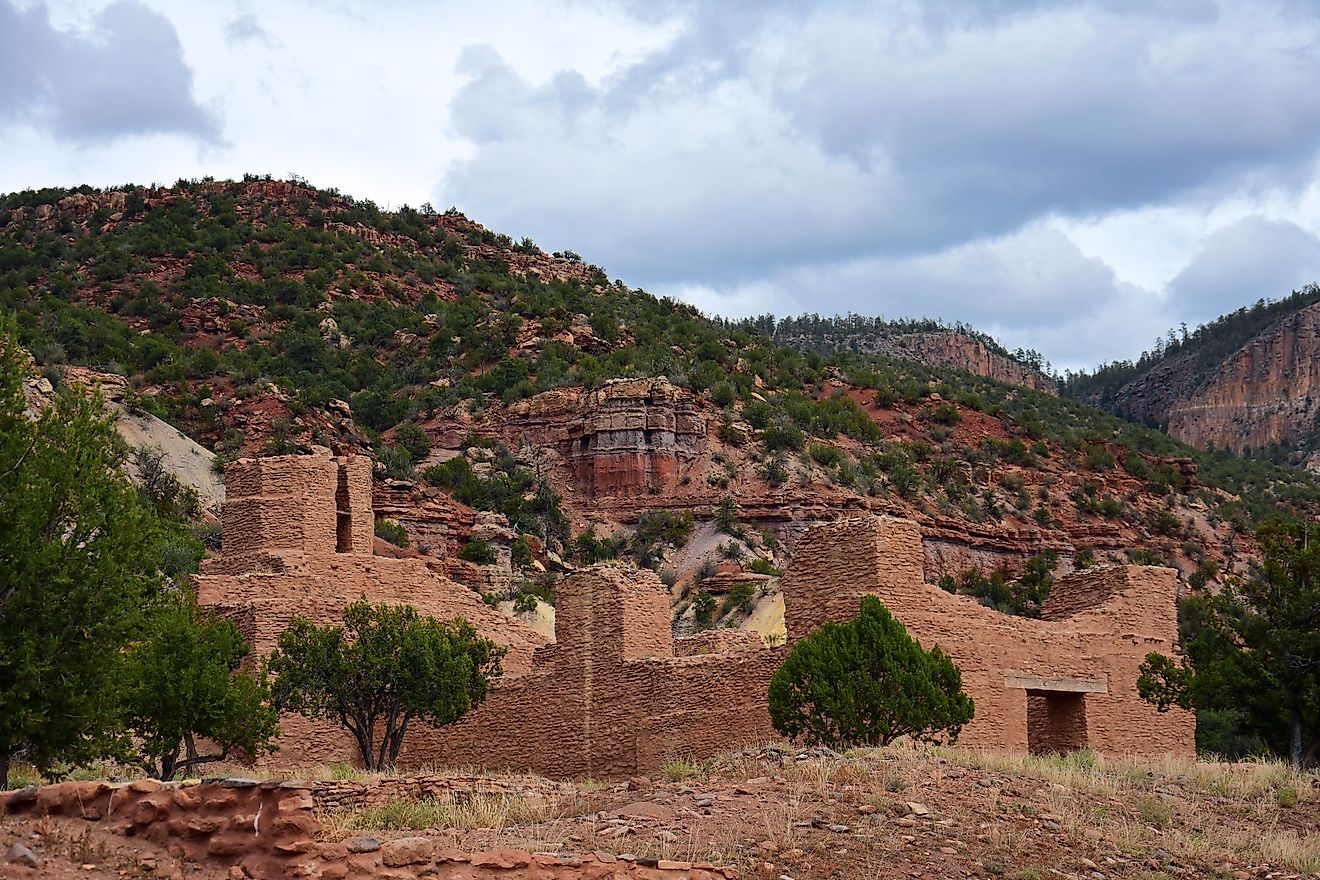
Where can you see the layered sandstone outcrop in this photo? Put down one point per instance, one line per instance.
(963, 352)
(628, 437)
(1266, 394)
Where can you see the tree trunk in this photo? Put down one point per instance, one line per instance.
(1295, 750)
(397, 742)
(4, 772)
(366, 748)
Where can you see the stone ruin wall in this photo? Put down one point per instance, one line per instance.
(611, 698)
(1099, 625)
(299, 570)
(616, 695)
(269, 830)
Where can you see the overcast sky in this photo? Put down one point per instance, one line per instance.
(1071, 177)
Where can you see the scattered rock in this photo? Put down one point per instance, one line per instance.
(22, 855)
(362, 844)
(917, 809)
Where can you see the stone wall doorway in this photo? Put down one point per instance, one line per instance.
(1056, 710)
(1056, 722)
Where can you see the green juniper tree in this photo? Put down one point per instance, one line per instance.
(1251, 665)
(79, 571)
(386, 666)
(866, 683)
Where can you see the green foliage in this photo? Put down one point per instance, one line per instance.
(741, 597)
(391, 531)
(761, 565)
(1023, 597)
(160, 488)
(520, 552)
(527, 501)
(866, 683)
(657, 529)
(183, 684)
(703, 608)
(478, 551)
(1097, 458)
(413, 439)
(1253, 649)
(80, 569)
(726, 517)
(826, 456)
(946, 414)
(385, 667)
(587, 548)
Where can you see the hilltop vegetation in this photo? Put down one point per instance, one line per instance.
(227, 303)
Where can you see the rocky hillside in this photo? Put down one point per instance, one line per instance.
(927, 342)
(527, 414)
(1249, 383)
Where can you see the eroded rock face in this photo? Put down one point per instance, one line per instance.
(628, 437)
(964, 352)
(1267, 393)
(940, 349)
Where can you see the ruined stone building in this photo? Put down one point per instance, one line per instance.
(617, 694)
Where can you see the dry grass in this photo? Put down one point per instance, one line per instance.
(1209, 812)
(1205, 811)
(493, 812)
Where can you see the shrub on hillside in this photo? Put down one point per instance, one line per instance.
(866, 683)
(477, 551)
(391, 531)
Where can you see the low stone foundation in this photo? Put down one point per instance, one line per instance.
(351, 795)
(260, 826)
(268, 830)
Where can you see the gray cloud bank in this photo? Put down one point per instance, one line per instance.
(903, 158)
(125, 76)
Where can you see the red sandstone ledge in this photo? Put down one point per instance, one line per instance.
(269, 830)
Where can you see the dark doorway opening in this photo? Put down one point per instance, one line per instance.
(1056, 722)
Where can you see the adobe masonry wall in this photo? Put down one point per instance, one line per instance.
(611, 698)
(281, 533)
(1100, 625)
(616, 695)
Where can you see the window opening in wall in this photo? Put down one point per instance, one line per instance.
(1056, 722)
(343, 515)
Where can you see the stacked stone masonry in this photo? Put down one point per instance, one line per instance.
(1078, 666)
(617, 695)
(270, 830)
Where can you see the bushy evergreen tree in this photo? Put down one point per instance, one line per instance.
(866, 683)
(80, 567)
(386, 666)
(1252, 652)
(184, 684)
